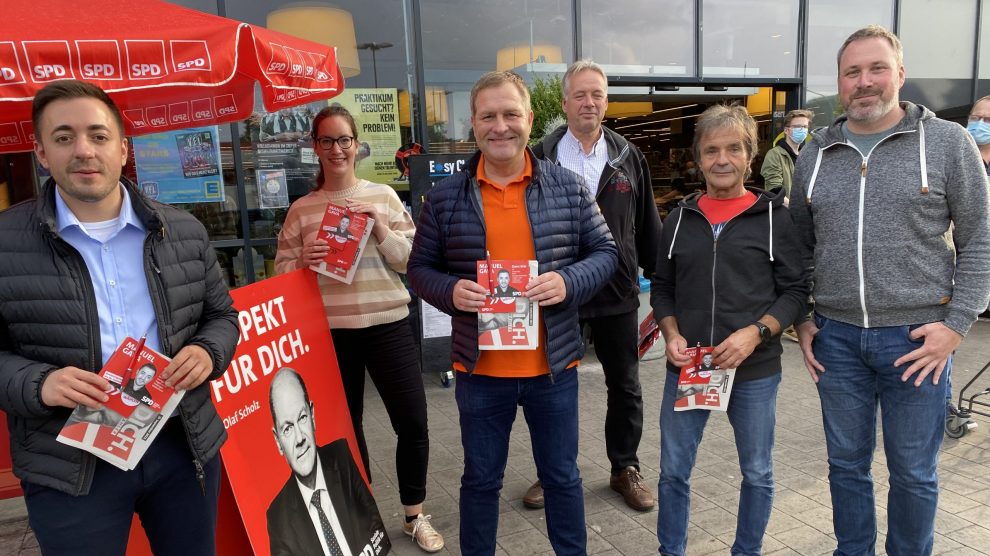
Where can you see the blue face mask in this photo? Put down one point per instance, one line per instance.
(980, 131)
(799, 134)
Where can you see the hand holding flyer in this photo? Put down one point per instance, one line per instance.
(346, 233)
(130, 420)
(702, 384)
(508, 320)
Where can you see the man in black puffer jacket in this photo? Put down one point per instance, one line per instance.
(86, 264)
(508, 205)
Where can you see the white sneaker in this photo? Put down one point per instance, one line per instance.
(422, 531)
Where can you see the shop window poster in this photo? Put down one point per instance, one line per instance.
(180, 166)
(376, 113)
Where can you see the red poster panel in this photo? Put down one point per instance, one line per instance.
(280, 448)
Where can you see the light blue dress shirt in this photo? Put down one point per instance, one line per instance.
(116, 268)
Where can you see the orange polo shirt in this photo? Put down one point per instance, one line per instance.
(509, 236)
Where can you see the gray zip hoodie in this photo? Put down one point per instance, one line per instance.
(876, 224)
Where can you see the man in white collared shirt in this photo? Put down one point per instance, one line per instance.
(617, 174)
(325, 484)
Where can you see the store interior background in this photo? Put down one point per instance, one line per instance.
(664, 66)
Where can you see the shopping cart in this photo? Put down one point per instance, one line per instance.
(959, 420)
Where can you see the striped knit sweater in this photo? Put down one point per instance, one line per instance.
(377, 295)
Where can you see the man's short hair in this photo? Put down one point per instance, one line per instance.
(979, 100)
(735, 117)
(873, 32)
(271, 390)
(799, 113)
(578, 67)
(503, 271)
(494, 79)
(66, 89)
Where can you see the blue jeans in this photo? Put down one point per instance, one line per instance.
(487, 407)
(179, 515)
(859, 374)
(752, 414)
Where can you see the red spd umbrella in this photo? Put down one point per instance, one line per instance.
(166, 67)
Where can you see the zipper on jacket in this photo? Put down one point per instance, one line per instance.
(862, 205)
(154, 278)
(200, 475)
(88, 460)
(859, 245)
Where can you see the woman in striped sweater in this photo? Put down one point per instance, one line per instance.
(369, 318)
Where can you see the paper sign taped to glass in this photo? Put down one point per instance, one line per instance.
(508, 320)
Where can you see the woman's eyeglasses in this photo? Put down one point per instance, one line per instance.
(326, 143)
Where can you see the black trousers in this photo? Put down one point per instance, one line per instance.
(389, 353)
(178, 514)
(616, 340)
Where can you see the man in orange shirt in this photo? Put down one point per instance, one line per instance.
(508, 205)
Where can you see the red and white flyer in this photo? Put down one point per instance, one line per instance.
(702, 384)
(346, 232)
(139, 403)
(508, 320)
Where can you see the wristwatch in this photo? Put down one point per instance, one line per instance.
(765, 334)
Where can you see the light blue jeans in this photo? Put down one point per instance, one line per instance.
(860, 376)
(751, 413)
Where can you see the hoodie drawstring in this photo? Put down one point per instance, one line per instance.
(814, 176)
(770, 215)
(924, 159)
(680, 214)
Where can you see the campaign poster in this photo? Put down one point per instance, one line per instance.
(180, 166)
(376, 113)
(283, 405)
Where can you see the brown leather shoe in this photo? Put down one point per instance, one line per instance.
(629, 483)
(533, 499)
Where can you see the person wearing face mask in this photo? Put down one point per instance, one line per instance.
(979, 128)
(778, 164)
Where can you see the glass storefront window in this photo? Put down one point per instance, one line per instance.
(750, 39)
(939, 71)
(463, 40)
(830, 22)
(640, 36)
(983, 87)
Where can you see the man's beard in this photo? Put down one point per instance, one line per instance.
(872, 112)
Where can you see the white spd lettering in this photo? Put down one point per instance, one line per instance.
(180, 117)
(142, 70)
(9, 140)
(47, 71)
(276, 66)
(7, 74)
(98, 70)
(226, 110)
(197, 63)
(201, 114)
(158, 121)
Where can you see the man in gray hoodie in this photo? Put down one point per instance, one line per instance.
(873, 197)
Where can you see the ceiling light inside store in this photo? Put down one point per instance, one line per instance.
(521, 54)
(321, 23)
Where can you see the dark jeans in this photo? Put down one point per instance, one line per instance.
(752, 414)
(487, 407)
(616, 340)
(178, 518)
(389, 353)
(859, 377)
